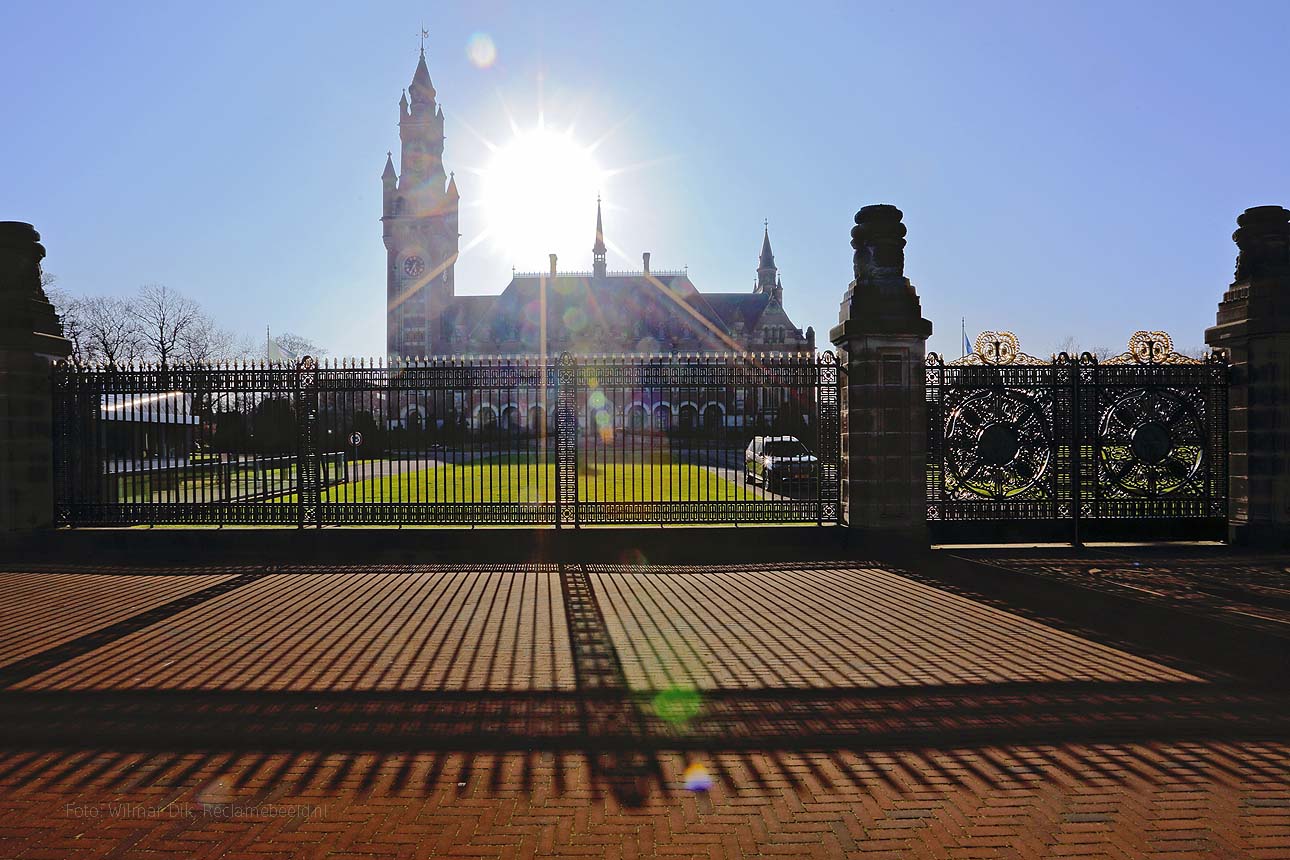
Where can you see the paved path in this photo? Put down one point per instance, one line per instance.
(1250, 590)
(604, 710)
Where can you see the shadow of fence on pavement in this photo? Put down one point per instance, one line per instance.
(296, 718)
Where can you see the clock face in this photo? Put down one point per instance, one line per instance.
(413, 266)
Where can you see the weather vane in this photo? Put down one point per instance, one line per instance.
(425, 34)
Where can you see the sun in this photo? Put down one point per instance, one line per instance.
(539, 196)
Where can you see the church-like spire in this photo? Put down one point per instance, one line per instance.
(766, 271)
(767, 260)
(422, 88)
(598, 266)
(388, 174)
(452, 186)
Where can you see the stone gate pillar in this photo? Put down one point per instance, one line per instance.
(882, 340)
(1254, 327)
(30, 338)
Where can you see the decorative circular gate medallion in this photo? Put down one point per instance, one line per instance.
(998, 444)
(1152, 442)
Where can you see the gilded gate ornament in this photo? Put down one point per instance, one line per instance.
(1000, 348)
(1151, 347)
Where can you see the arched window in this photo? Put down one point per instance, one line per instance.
(663, 417)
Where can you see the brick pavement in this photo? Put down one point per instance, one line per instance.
(1250, 590)
(534, 710)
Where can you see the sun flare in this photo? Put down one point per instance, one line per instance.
(539, 196)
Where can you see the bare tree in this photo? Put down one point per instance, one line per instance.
(297, 345)
(1068, 345)
(68, 308)
(1072, 347)
(165, 319)
(204, 341)
(110, 330)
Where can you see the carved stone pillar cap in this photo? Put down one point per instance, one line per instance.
(882, 221)
(1261, 214)
(1263, 236)
(16, 233)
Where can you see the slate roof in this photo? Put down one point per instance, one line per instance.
(619, 313)
(738, 307)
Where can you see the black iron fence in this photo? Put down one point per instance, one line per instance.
(605, 439)
(1134, 446)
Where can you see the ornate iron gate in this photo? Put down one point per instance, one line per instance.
(606, 439)
(1070, 449)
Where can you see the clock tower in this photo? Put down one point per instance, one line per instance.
(419, 226)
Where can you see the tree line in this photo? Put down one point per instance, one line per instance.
(156, 325)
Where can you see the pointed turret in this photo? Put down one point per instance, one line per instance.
(766, 271)
(422, 88)
(389, 187)
(767, 260)
(598, 266)
(452, 187)
(421, 131)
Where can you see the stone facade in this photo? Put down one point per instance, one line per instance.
(1253, 326)
(30, 338)
(419, 225)
(882, 339)
(596, 311)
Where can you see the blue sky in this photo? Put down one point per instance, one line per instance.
(1065, 169)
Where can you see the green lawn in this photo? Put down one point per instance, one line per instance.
(501, 479)
(202, 483)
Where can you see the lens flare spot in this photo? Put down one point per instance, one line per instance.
(697, 778)
(217, 792)
(575, 319)
(598, 400)
(481, 50)
(678, 705)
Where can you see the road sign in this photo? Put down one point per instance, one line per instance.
(356, 438)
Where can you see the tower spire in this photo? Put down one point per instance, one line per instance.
(767, 260)
(422, 88)
(767, 273)
(598, 267)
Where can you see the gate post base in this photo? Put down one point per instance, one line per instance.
(1253, 326)
(882, 339)
(30, 338)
